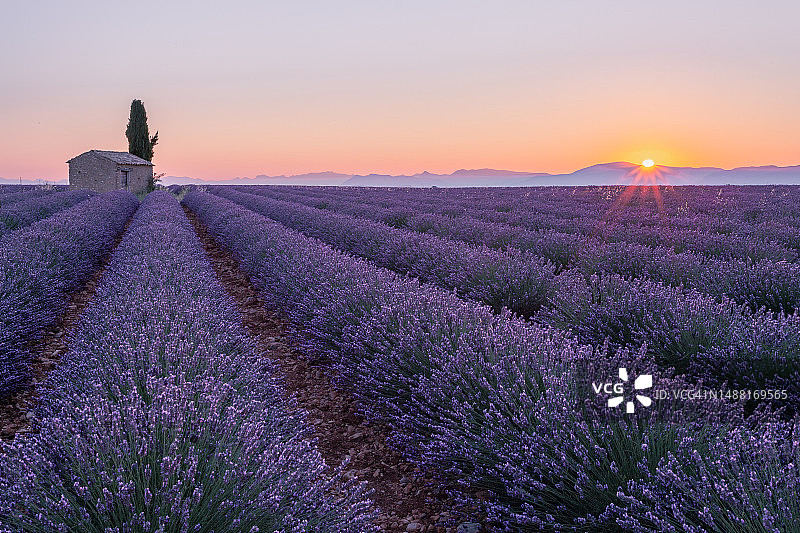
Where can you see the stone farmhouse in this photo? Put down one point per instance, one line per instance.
(103, 171)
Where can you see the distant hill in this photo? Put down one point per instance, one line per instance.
(426, 179)
(38, 181)
(617, 173)
(460, 178)
(485, 177)
(316, 178)
(766, 175)
(621, 173)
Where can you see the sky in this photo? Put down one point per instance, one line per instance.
(241, 88)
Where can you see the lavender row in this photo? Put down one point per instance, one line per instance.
(748, 208)
(26, 212)
(501, 405)
(531, 209)
(683, 329)
(559, 248)
(775, 286)
(163, 417)
(714, 342)
(695, 221)
(742, 211)
(10, 188)
(41, 264)
(8, 198)
(512, 279)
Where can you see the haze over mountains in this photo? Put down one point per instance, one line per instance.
(39, 181)
(619, 173)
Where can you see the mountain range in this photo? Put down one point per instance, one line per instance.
(37, 181)
(618, 173)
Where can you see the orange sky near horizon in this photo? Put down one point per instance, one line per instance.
(367, 88)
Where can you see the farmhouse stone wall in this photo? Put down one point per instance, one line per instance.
(97, 173)
(93, 173)
(138, 177)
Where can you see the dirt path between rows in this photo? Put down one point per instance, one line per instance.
(407, 499)
(17, 411)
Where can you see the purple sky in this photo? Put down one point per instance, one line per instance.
(244, 88)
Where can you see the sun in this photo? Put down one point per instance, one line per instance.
(648, 163)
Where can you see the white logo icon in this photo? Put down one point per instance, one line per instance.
(645, 381)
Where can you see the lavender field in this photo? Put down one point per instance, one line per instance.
(587, 359)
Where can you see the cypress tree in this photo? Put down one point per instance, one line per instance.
(140, 143)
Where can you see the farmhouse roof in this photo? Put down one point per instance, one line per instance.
(121, 158)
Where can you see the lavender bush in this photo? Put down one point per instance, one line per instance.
(23, 213)
(674, 323)
(718, 340)
(763, 354)
(559, 248)
(41, 264)
(763, 283)
(11, 188)
(745, 482)
(510, 279)
(8, 198)
(162, 416)
(500, 404)
(688, 219)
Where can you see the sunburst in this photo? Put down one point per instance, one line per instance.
(644, 179)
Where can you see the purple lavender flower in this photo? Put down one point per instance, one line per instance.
(41, 264)
(500, 404)
(162, 415)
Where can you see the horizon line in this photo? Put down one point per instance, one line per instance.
(432, 173)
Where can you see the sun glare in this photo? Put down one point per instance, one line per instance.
(642, 181)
